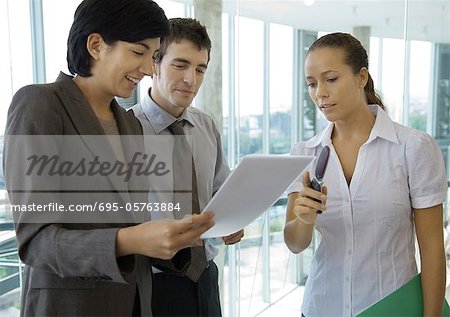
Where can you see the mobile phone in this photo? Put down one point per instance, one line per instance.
(321, 167)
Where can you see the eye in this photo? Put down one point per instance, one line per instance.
(332, 80)
(201, 71)
(179, 66)
(138, 53)
(311, 85)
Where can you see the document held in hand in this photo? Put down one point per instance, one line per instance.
(406, 301)
(252, 187)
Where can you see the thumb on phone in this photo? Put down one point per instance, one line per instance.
(306, 181)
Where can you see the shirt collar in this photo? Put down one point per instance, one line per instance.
(159, 118)
(323, 138)
(383, 128)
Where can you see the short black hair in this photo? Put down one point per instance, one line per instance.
(185, 29)
(115, 20)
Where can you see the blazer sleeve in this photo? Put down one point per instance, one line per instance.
(48, 243)
(222, 170)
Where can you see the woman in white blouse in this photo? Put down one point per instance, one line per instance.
(385, 185)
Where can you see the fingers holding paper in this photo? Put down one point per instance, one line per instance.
(234, 237)
(163, 238)
(197, 224)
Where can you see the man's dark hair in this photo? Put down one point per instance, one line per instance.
(115, 20)
(185, 29)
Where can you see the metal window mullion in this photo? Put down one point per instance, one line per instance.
(297, 263)
(295, 118)
(37, 41)
(266, 257)
(300, 84)
(266, 117)
(233, 297)
(406, 75)
(266, 89)
(232, 71)
(432, 117)
(406, 64)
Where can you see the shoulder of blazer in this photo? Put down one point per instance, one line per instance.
(34, 94)
(32, 108)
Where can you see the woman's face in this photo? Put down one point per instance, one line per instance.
(119, 67)
(332, 85)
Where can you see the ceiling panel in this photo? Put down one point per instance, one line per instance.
(425, 19)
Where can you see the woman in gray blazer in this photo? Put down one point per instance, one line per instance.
(71, 160)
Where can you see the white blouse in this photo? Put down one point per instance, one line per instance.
(366, 248)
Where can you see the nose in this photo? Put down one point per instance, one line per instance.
(146, 66)
(321, 90)
(190, 77)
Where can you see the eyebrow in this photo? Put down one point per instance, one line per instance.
(182, 60)
(322, 74)
(142, 44)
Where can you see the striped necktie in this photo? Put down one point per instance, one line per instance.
(181, 153)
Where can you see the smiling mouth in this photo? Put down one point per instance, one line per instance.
(134, 80)
(326, 106)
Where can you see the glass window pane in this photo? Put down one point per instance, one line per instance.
(250, 74)
(419, 84)
(226, 81)
(311, 117)
(15, 57)
(281, 272)
(250, 269)
(280, 87)
(19, 39)
(392, 77)
(58, 18)
(172, 9)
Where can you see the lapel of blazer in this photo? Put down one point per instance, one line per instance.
(77, 107)
(88, 127)
(133, 145)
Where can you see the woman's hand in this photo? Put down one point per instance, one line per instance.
(309, 202)
(163, 238)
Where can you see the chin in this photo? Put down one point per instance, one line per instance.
(330, 117)
(125, 95)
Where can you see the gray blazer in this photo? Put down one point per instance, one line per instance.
(71, 267)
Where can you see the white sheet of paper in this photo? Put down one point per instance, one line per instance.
(252, 187)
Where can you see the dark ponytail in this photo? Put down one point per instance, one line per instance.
(371, 96)
(355, 57)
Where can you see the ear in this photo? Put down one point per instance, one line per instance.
(363, 77)
(94, 45)
(155, 69)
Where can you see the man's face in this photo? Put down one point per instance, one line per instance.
(178, 76)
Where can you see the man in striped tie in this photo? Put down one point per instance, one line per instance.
(188, 284)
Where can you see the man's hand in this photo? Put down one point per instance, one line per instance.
(234, 237)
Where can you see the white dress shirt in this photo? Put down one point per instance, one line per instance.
(204, 138)
(367, 238)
